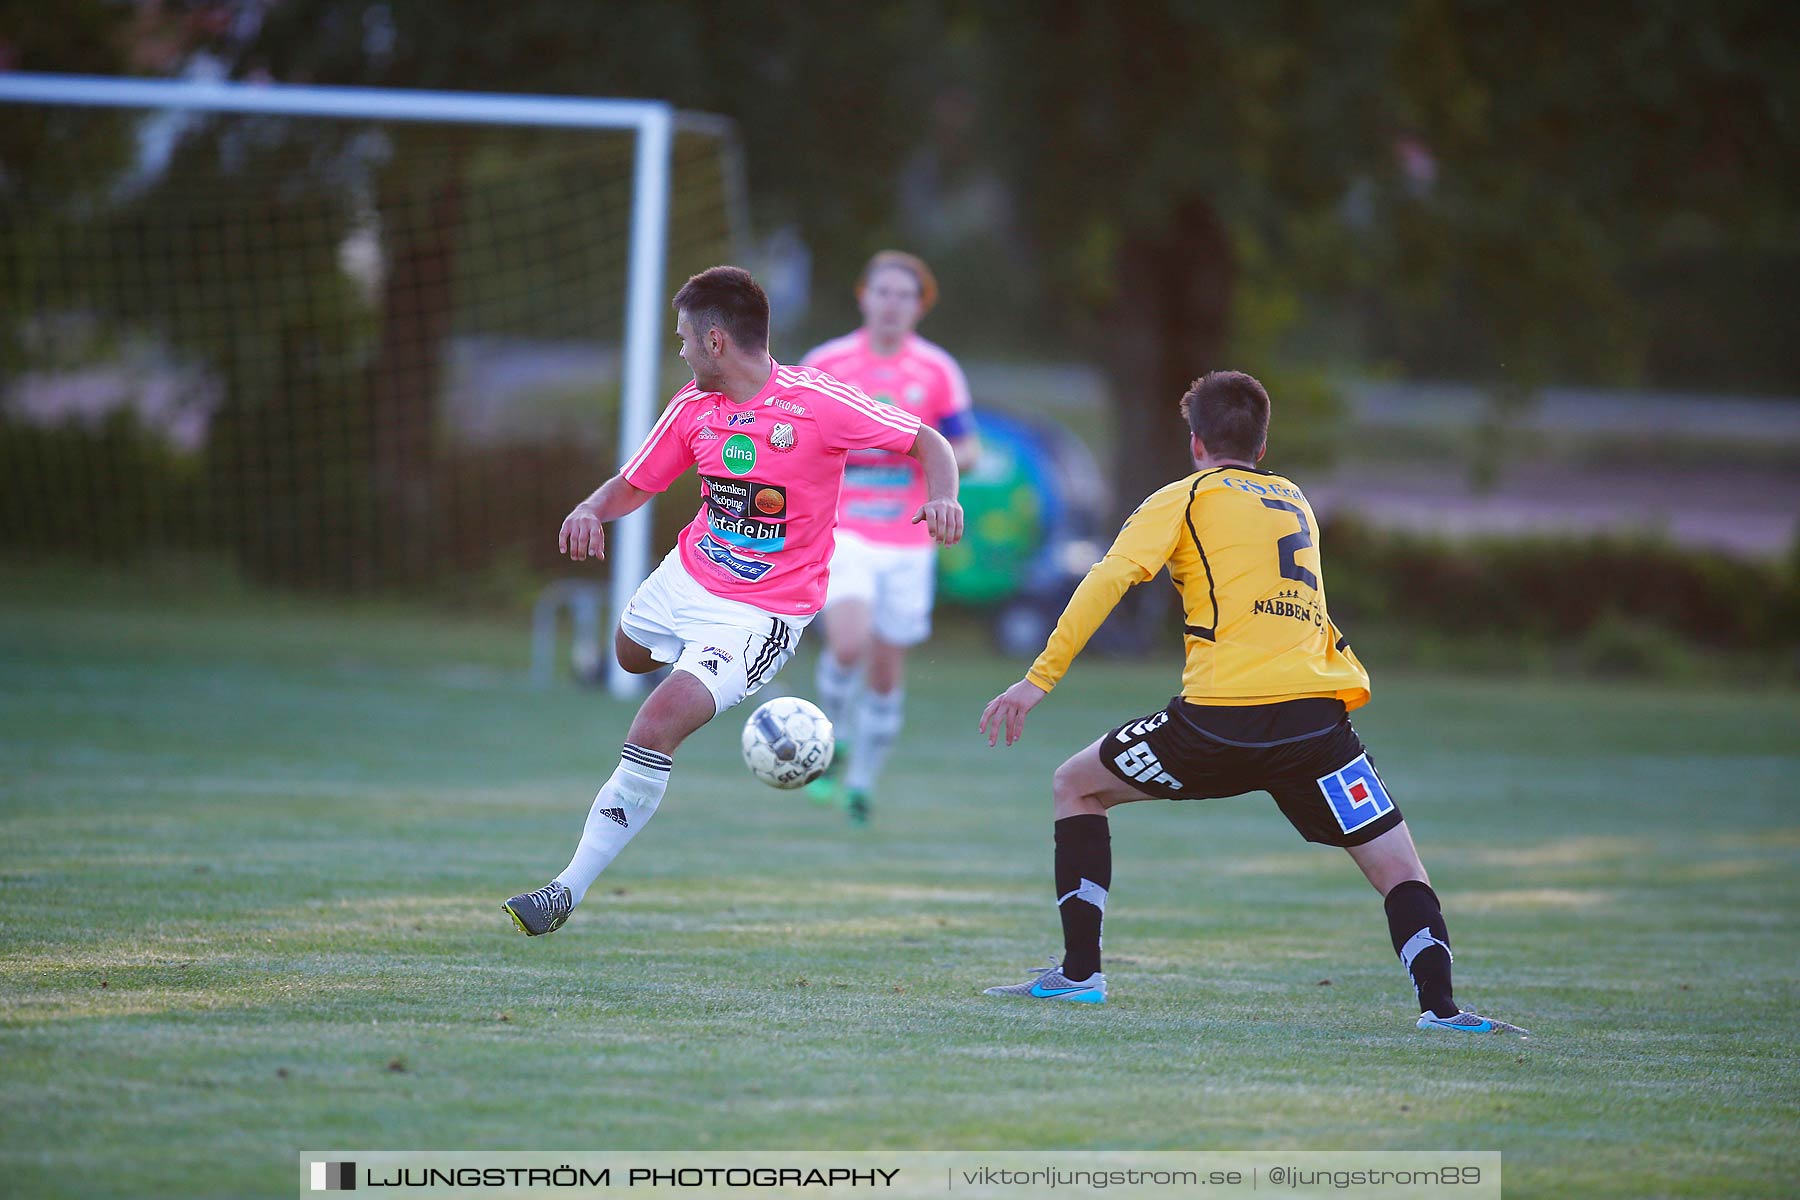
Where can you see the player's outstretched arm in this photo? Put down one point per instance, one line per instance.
(1006, 712)
(582, 534)
(942, 515)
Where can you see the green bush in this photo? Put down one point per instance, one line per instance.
(1620, 648)
(1607, 590)
(106, 491)
(311, 521)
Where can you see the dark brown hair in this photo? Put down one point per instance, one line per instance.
(727, 298)
(1229, 411)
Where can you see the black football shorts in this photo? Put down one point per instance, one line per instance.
(1322, 777)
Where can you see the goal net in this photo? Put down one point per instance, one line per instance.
(338, 352)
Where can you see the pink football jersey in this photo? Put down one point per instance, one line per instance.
(770, 472)
(883, 490)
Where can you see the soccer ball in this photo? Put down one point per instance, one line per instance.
(788, 742)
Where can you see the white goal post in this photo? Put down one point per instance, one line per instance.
(652, 122)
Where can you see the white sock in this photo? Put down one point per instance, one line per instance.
(838, 686)
(879, 716)
(623, 806)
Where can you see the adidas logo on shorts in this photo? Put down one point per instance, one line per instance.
(711, 664)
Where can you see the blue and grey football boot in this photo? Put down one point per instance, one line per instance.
(1051, 984)
(1467, 1022)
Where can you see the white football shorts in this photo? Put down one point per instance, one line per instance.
(730, 646)
(898, 584)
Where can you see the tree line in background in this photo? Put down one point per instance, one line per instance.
(1507, 193)
(1510, 193)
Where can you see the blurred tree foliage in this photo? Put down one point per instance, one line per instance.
(1506, 192)
(1170, 185)
(1161, 148)
(1487, 177)
(1583, 152)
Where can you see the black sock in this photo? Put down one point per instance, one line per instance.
(1422, 941)
(1083, 873)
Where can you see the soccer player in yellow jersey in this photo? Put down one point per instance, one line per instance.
(1265, 696)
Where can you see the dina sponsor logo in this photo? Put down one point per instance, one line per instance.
(738, 454)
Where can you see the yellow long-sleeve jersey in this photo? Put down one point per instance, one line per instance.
(1241, 545)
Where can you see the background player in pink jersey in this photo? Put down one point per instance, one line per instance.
(884, 572)
(748, 574)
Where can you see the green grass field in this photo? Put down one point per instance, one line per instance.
(252, 855)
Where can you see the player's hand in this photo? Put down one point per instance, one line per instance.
(582, 535)
(1007, 711)
(943, 520)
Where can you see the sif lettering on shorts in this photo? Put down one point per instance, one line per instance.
(1137, 761)
(1355, 794)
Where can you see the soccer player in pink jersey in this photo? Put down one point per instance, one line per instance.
(884, 572)
(748, 574)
